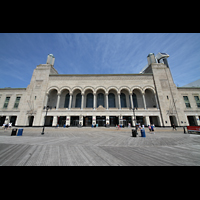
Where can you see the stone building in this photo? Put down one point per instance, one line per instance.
(149, 97)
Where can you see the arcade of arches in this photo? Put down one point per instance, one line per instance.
(111, 100)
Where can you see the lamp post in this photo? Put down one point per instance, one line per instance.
(135, 108)
(47, 108)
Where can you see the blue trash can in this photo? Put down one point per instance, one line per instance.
(20, 132)
(143, 133)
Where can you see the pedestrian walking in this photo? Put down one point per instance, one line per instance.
(174, 127)
(6, 126)
(149, 128)
(152, 128)
(143, 126)
(10, 125)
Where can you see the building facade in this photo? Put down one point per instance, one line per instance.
(101, 98)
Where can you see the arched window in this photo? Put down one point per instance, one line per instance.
(123, 100)
(135, 103)
(150, 99)
(89, 101)
(66, 105)
(111, 100)
(78, 100)
(100, 99)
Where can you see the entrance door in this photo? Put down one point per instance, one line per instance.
(74, 121)
(140, 120)
(62, 121)
(114, 120)
(48, 120)
(2, 120)
(30, 120)
(13, 120)
(173, 120)
(192, 120)
(87, 121)
(127, 120)
(154, 120)
(101, 121)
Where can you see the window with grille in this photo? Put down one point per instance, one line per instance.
(17, 102)
(111, 100)
(89, 101)
(197, 101)
(187, 102)
(100, 100)
(67, 97)
(6, 102)
(135, 102)
(123, 100)
(78, 100)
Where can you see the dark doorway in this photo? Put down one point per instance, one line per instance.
(48, 120)
(61, 121)
(30, 120)
(154, 120)
(87, 121)
(173, 120)
(101, 121)
(74, 121)
(2, 120)
(127, 120)
(140, 120)
(13, 120)
(114, 120)
(192, 120)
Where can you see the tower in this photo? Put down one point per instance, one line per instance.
(34, 98)
(167, 92)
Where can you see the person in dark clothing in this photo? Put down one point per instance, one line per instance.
(174, 127)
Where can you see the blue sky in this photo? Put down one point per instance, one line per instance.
(96, 53)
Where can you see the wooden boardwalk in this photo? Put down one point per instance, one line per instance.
(98, 147)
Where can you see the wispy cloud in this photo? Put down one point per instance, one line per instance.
(94, 53)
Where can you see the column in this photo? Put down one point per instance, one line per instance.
(143, 95)
(147, 120)
(107, 101)
(131, 98)
(7, 120)
(58, 102)
(94, 101)
(107, 120)
(119, 101)
(70, 101)
(82, 101)
(156, 101)
(81, 120)
(55, 121)
(68, 120)
(198, 120)
(94, 120)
